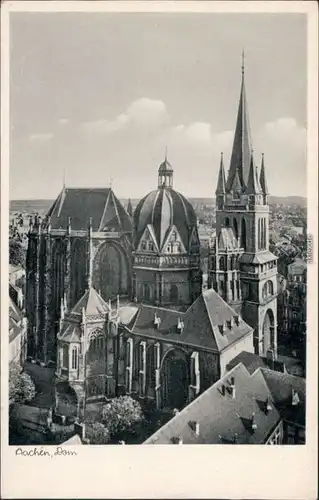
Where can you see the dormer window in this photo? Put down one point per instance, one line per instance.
(151, 246)
(143, 245)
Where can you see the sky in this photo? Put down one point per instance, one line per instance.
(96, 97)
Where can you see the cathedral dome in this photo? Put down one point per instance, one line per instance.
(165, 211)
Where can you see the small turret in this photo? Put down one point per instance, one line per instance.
(253, 187)
(129, 208)
(263, 181)
(221, 184)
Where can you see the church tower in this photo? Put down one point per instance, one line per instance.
(243, 270)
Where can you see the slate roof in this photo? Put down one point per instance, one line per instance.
(201, 323)
(224, 419)
(81, 204)
(281, 386)
(221, 418)
(92, 303)
(226, 239)
(252, 362)
(164, 208)
(259, 258)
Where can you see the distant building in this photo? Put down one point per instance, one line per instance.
(265, 407)
(297, 298)
(17, 334)
(15, 273)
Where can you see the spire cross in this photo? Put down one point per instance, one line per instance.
(111, 181)
(243, 62)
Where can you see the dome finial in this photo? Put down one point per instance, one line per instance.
(166, 153)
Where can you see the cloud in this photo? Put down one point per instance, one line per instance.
(286, 131)
(141, 113)
(44, 137)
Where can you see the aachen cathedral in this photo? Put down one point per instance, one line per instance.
(115, 299)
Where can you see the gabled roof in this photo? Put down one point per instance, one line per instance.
(92, 303)
(259, 258)
(81, 204)
(281, 387)
(202, 322)
(222, 418)
(227, 240)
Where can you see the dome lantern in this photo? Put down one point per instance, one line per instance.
(165, 173)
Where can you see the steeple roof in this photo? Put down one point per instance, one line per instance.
(253, 186)
(240, 158)
(92, 303)
(263, 181)
(221, 184)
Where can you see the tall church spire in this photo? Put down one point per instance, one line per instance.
(263, 181)
(221, 184)
(240, 158)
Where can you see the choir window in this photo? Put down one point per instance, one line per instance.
(74, 358)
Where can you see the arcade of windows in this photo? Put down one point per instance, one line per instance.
(145, 362)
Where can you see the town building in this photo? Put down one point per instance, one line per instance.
(265, 407)
(242, 268)
(17, 334)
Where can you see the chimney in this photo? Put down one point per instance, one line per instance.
(221, 328)
(253, 422)
(237, 320)
(157, 321)
(295, 398)
(180, 326)
(223, 389)
(194, 425)
(197, 429)
(232, 387)
(180, 440)
(230, 323)
(235, 440)
(268, 405)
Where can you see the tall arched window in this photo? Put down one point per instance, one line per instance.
(146, 292)
(265, 234)
(262, 234)
(259, 234)
(236, 228)
(227, 222)
(174, 293)
(74, 363)
(243, 234)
